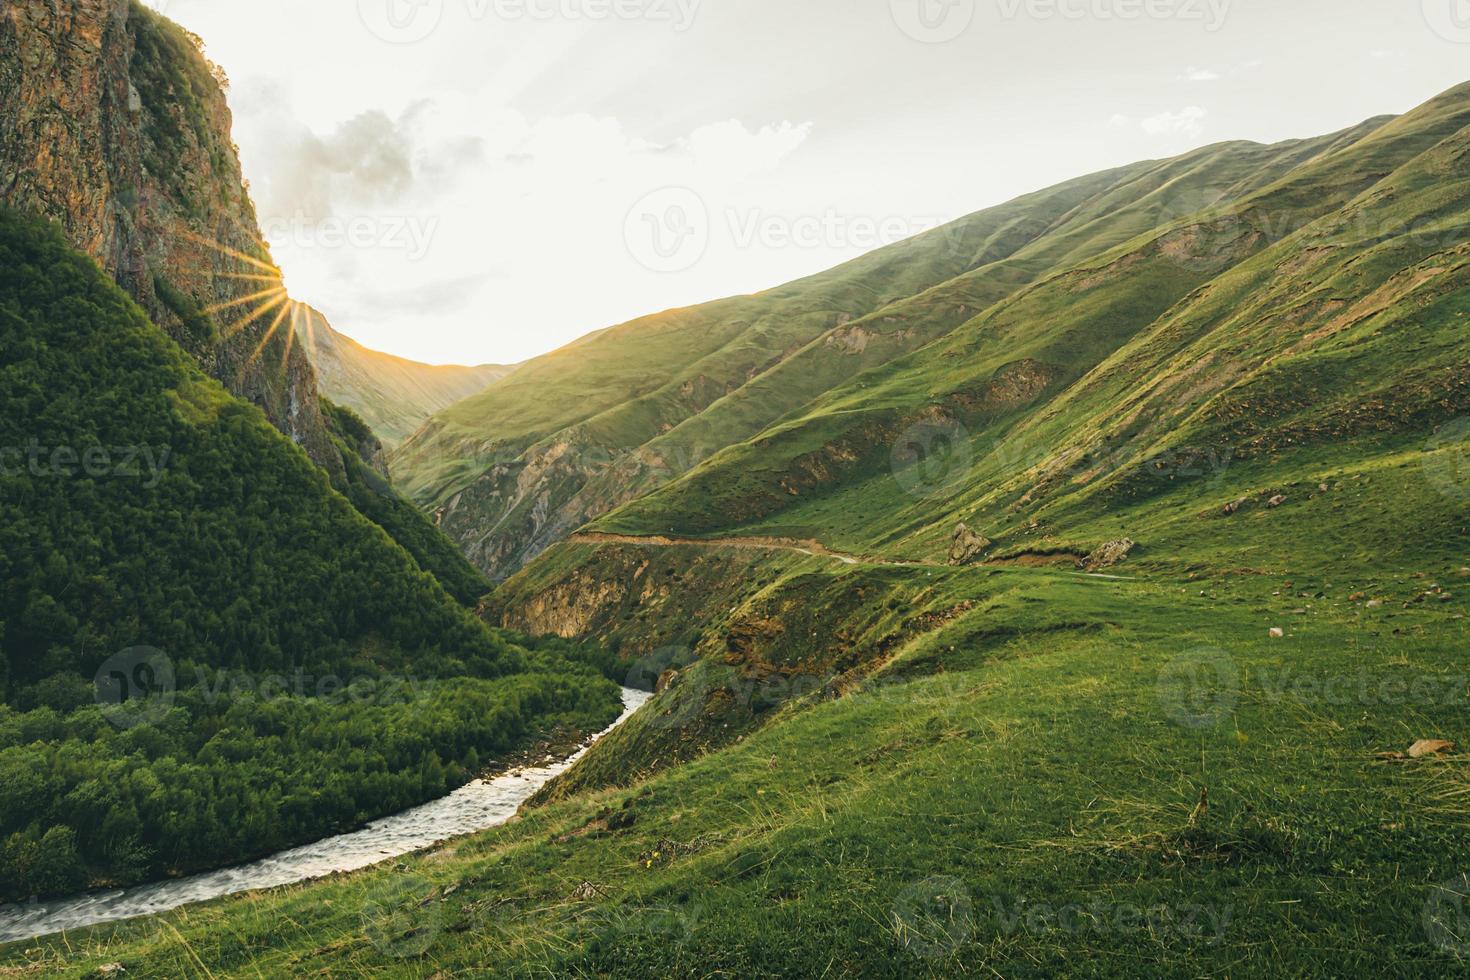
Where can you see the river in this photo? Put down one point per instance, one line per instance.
(473, 807)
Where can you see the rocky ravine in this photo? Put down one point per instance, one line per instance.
(113, 124)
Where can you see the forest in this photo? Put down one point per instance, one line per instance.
(208, 652)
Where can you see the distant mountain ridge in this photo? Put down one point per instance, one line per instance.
(393, 395)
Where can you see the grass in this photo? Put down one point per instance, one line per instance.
(1028, 804)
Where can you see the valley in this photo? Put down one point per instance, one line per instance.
(1078, 588)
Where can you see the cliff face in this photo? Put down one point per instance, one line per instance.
(114, 125)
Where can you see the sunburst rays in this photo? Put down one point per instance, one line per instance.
(266, 296)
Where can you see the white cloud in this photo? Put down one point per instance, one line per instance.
(737, 152)
(1201, 75)
(1188, 121)
(478, 216)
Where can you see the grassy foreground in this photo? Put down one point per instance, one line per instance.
(1161, 787)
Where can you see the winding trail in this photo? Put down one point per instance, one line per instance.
(799, 546)
(815, 549)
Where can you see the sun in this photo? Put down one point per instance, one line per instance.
(266, 298)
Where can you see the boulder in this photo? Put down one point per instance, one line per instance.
(966, 546)
(1235, 506)
(1108, 555)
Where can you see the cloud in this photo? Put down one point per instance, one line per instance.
(457, 216)
(1201, 75)
(1188, 121)
(438, 297)
(365, 161)
(730, 148)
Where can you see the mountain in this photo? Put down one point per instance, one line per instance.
(1261, 322)
(114, 124)
(1092, 601)
(393, 395)
(365, 482)
(222, 633)
(1147, 381)
(157, 528)
(578, 432)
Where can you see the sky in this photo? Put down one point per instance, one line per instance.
(482, 181)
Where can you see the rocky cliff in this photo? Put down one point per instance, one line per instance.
(115, 125)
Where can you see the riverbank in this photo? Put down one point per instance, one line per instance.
(476, 806)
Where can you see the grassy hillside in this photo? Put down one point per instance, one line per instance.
(1321, 306)
(392, 394)
(583, 430)
(208, 653)
(1072, 776)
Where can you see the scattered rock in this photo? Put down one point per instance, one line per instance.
(1235, 505)
(966, 546)
(1430, 746)
(1277, 633)
(1276, 501)
(109, 970)
(1108, 555)
(585, 892)
(664, 680)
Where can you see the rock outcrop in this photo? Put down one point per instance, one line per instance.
(114, 125)
(1108, 555)
(967, 547)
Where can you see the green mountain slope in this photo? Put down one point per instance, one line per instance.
(599, 423)
(303, 673)
(365, 483)
(393, 395)
(1198, 339)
